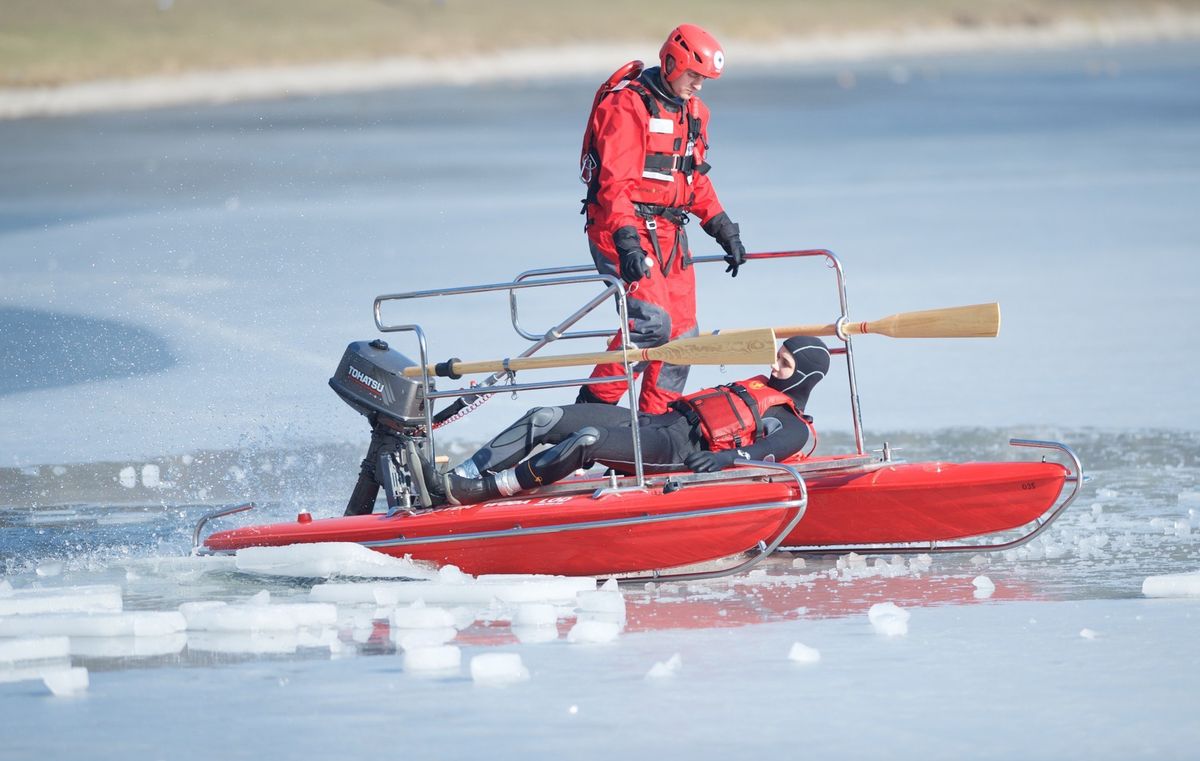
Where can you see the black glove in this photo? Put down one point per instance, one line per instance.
(729, 235)
(631, 254)
(708, 462)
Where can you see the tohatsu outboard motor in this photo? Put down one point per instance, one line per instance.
(370, 379)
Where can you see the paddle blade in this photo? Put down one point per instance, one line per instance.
(974, 321)
(741, 347)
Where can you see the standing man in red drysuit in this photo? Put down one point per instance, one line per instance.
(643, 161)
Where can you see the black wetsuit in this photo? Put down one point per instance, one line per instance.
(666, 439)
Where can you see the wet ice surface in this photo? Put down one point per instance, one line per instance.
(840, 649)
(231, 244)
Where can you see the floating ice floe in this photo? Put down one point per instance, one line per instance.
(889, 619)
(14, 651)
(323, 560)
(984, 587)
(217, 616)
(607, 601)
(667, 668)
(1088, 633)
(66, 682)
(1172, 585)
(262, 642)
(420, 616)
(98, 598)
(127, 624)
(452, 587)
(593, 632)
(801, 653)
(498, 669)
(440, 658)
(128, 647)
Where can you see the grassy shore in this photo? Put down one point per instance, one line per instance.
(47, 43)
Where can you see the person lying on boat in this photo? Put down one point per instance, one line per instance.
(754, 419)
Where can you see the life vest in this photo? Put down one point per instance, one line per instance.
(674, 143)
(731, 415)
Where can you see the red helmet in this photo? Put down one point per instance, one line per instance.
(690, 48)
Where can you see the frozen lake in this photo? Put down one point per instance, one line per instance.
(177, 286)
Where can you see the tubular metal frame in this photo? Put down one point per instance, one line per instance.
(614, 289)
(831, 261)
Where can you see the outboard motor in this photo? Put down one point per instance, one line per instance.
(370, 379)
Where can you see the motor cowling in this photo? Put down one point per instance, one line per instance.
(370, 379)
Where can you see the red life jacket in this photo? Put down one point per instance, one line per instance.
(673, 143)
(731, 415)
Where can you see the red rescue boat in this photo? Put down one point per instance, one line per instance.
(650, 527)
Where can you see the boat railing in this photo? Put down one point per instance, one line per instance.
(831, 261)
(613, 290)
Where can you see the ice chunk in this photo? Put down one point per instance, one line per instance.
(96, 598)
(253, 643)
(593, 632)
(1088, 634)
(408, 639)
(798, 563)
(984, 588)
(519, 588)
(531, 635)
(222, 617)
(801, 653)
(127, 477)
(6, 589)
(51, 568)
(667, 668)
(538, 614)
(418, 616)
(34, 649)
(150, 476)
(607, 600)
(440, 658)
(889, 619)
(66, 682)
(128, 647)
(1172, 585)
(328, 559)
(498, 669)
(139, 624)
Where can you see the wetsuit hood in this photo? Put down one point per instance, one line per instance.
(812, 364)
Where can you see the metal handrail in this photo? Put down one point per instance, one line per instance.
(614, 289)
(763, 549)
(1043, 522)
(218, 513)
(831, 261)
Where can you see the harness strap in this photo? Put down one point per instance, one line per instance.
(678, 217)
(751, 404)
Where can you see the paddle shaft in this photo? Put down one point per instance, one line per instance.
(745, 347)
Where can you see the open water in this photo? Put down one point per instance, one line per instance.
(176, 287)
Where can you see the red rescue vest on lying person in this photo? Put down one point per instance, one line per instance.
(731, 415)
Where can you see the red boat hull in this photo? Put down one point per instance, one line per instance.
(575, 535)
(503, 536)
(923, 502)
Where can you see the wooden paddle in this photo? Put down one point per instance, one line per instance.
(975, 321)
(755, 346)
